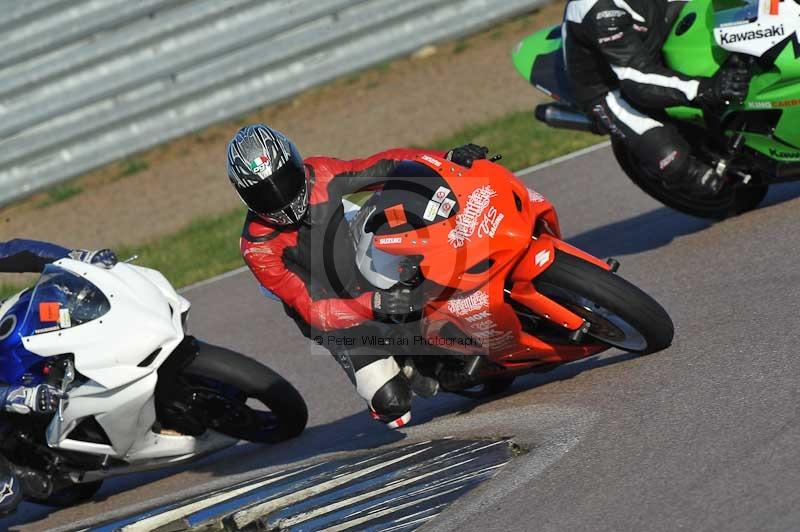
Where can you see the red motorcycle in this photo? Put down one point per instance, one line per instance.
(506, 295)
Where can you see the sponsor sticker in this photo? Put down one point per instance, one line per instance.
(64, 319)
(431, 210)
(752, 35)
(491, 221)
(441, 194)
(535, 196)
(542, 258)
(778, 154)
(392, 240)
(49, 312)
(261, 165)
(668, 160)
(47, 329)
(396, 216)
(479, 316)
(446, 208)
(466, 305)
(468, 219)
(431, 160)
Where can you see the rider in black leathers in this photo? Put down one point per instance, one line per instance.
(613, 54)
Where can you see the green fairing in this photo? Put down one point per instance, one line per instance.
(530, 48)
(695, 53)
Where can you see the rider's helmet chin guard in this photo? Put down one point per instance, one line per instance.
(267, 171)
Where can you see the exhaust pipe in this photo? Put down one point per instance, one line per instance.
(564, 117)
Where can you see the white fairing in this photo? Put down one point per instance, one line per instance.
(761, 35)
(144, 317)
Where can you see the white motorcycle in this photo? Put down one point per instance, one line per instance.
(142, 393)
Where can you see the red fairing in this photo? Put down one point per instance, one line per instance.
(263, 247)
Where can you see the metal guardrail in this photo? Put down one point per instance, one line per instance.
(88, 82)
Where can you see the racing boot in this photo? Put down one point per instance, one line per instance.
(391, 404)
(10, 489)
(702, 180)
(420, 384)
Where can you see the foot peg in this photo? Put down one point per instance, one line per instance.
(613, 264)
(577, 336)
(420, 384)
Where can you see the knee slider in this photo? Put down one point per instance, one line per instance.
(393, 399)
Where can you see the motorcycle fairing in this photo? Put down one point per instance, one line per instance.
(511, 236)
(539, 58)
(692, 48)
(144, 318)
(774, 87)
(17, 364)
(756, 27)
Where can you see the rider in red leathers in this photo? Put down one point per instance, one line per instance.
(293, 205)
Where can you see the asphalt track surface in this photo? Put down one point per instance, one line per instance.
(702, 436)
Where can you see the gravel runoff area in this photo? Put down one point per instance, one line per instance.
(410, 101)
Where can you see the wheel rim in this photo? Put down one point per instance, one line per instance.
(239, 419)
(224, 409)
(606, 325)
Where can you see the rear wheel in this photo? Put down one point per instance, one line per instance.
(224, 385)
(730, 202)
(620, 314)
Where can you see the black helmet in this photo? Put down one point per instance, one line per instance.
(267, 172)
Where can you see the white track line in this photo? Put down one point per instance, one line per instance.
(565, 158)
(246, 516)
(214, 279)
(162, 519)
(524, 172)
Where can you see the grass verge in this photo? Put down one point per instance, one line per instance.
(59, 193)
(210, 246)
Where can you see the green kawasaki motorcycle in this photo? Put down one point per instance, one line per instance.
(757, 143)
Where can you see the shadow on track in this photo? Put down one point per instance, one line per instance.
(658, 228)
(638, 234)
(536, 380)
(356, 432)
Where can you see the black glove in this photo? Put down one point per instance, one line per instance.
(105, 258)
(728, 86)
(467, 154)
(398, 305)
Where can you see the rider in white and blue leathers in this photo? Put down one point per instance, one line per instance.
(31, 256)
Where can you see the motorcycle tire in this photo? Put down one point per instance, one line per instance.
(620, 314)
(254, 381)
(730, 202)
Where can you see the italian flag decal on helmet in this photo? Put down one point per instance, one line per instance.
(260, 164)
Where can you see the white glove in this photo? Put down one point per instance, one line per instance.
(41, 399)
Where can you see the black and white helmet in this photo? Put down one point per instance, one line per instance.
(267, 172)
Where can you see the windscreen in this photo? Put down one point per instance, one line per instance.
(735, 12)
(62, 300)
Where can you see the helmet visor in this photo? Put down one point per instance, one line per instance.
(285, 190)
(292, 213)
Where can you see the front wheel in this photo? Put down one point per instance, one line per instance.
(224, 384)
(730, 202)
(620, 314)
